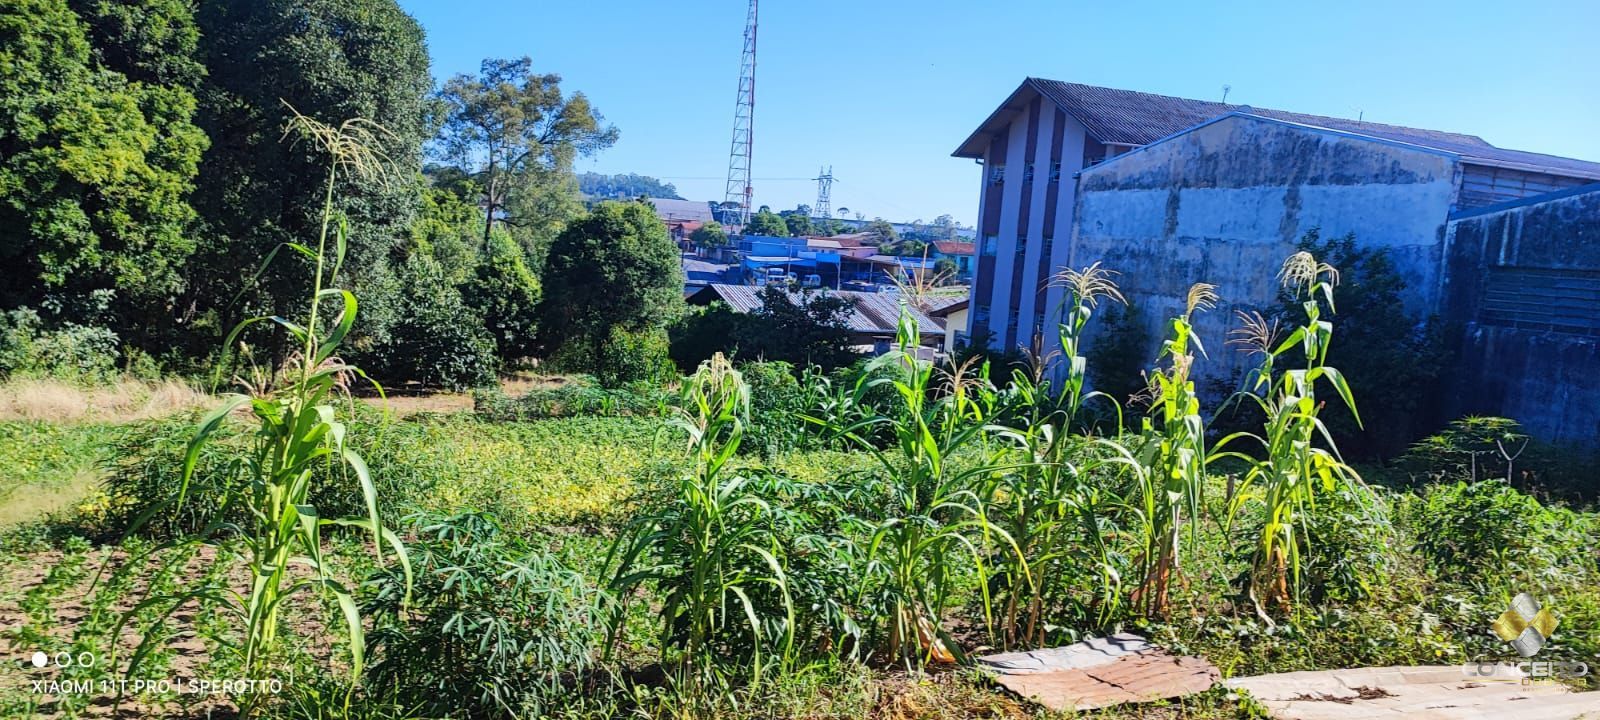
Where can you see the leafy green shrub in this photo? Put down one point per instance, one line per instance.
(703, 331)
(435, 339)
(629, 356)
(1474, 448)
(1489, 531)
(70, 352)
(776, 403)
(493, 626)
(578, 398)
(505, 294)
(1346, 550)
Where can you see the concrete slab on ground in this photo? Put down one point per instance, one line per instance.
(1433, 692)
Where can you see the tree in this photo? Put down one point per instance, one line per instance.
(615, 268)
(95, 164)
(505, 294)
(943, 227)
(765, 223)
(332, 60)
(511, 128)
(809, 328)
(884, 230)
(625, 186)
(1391, 360)
(798, 221)
(710, 235)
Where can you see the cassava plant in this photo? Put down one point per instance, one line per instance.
(1172, 457)
(1297, 459)
(298, 433)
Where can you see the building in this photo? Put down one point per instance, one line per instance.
(958, 252)
(873, 321)
(682, 217)
(954, 317)
(1171, 191)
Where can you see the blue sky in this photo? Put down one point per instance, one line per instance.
(884, 91)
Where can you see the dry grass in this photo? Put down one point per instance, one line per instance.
(125, 400)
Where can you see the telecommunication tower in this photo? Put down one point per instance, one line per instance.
(736, 203)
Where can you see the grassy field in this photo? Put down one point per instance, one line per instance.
(1396, 583)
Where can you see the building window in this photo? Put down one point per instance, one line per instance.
(980, 315)
(1055, 171)
(1047, 246)
(1011, 325)
(997, 174)
(989, 241)
(1022, 244)
(1027, 172)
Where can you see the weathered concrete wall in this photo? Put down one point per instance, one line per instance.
(1523, 281)
(1226, 202)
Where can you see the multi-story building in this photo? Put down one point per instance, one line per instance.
(1036, 147)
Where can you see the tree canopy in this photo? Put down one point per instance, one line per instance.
(765, 222)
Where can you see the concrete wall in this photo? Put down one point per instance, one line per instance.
(1522, 279)
(1227, 201)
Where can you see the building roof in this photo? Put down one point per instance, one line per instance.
(676, 210)
(954, 247)
(874, 313)
(1128, 117)
(942, 306)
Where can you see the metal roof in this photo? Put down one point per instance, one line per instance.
(954, 247)
(874, 313)
(682, 209)
(1128, 117)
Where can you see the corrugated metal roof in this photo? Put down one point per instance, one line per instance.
(670, 209)
(875, 313)
(955, 247)
(1129, 117)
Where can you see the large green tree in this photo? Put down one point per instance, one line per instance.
(331, 60)
(613, 269)
(96, 158)
(516, 134)
(767, 223)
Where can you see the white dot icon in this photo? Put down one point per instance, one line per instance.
(40, 659)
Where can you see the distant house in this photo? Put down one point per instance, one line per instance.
(682, 217)
(954, 317)
(958, 252)
(873, 321)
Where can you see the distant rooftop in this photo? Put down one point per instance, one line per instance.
(680, 210)
(872, 313)
(1128, 117)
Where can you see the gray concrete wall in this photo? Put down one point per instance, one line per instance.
(1226, 202)
(1522, 280)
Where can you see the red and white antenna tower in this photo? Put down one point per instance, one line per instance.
(736, 204)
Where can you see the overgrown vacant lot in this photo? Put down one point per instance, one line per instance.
(511, 525)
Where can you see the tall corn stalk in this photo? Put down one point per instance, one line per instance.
(1291, 469)
(298, 431)
(1047, 504)
(711, 549)
(1172, 455)
(933, 527)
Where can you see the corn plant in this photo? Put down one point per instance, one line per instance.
(1172, 457)
(298, 431)
(932, 525)
(1047, 503)
(1290, 468)
(711, 549)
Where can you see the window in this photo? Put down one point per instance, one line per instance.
(1011, 325)
(1047, 246)
(1027, 172)
(1055, 171)
(989, 243)
(997, 174)
(1022, 244)
(980, 316)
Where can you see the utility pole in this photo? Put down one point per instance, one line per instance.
(739, 191)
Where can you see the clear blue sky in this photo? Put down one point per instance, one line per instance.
(884, 91)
